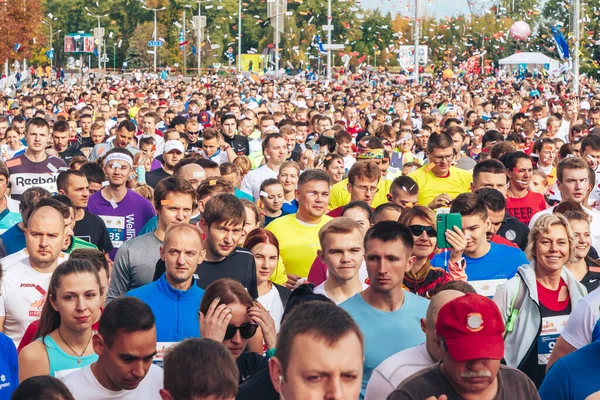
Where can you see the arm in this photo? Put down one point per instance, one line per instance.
(33, 361)
(561, 349)
(120, 278)
(230, 153)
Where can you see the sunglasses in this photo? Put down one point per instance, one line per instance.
(417, 230)
(247, 330)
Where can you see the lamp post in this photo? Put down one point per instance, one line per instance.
(100, 34)
(155, 34)
(52, 33)
(199, 28)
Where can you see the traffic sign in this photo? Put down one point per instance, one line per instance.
(154, 43)
(334, 46)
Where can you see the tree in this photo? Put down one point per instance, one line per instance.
(21, 22)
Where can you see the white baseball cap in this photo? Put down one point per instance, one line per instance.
(171, 145)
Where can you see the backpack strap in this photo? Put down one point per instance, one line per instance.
(515, 306)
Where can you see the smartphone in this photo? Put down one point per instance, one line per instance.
(445, 222)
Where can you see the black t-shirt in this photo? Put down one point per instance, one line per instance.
(69, 153)
(239, 144)
(249, 364)
(514, 231)
(153, 177)
(258, 386)
(92, 229)
(239, 265)
(530, 366)
(591, 280)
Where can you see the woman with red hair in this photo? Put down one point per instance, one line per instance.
(265, 247)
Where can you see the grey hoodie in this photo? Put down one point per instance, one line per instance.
(529, 322)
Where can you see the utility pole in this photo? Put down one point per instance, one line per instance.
(99, 36)
(239, 57)
(576, 36)
(330, 28)
(155, 31)
(184, 52)
(417, 27)
(276, 42)
(199, 26)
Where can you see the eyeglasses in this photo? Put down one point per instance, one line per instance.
(247, 330)
(417, 230)
(439, 159)
(365, 189)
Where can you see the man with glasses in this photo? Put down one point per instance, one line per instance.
(439, 182)
(192, 131)
(363, 180)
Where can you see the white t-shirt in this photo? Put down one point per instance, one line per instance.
(594, 224)
(220, 158)
(583, 326)
(23, 294)
(395, 369)
(321, 290)
(84, 386)
(253, 179)
(272, 302)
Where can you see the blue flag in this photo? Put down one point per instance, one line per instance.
(320, 44)
(561, 44)
(95, 52)
(17, 47)
(193, 49)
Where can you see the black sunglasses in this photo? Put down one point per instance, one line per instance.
(417, 230)
(247, 330)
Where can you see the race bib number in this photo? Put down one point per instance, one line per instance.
(552, 327)
(488, 287)
(116, 229)
(161, 351)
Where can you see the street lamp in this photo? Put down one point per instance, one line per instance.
(276, 16)
(155, 34)
(52, 33)
(99, 38)
(199, 27)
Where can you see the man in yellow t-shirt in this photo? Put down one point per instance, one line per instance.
(340, 196)
(298, 234)
(439, 182)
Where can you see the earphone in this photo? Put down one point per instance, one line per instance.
(280, 380)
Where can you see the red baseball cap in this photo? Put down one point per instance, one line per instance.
(472, 327)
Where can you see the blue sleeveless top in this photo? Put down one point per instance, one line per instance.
(61, 363)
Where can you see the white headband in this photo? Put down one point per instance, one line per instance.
(119, 157)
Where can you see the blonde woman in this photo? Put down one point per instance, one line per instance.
(536, 303)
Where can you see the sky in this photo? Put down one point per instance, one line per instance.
(435, 8)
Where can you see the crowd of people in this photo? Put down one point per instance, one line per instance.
(236, 237)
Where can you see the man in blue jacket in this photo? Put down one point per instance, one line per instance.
(175, 298)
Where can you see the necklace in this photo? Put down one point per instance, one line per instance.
(74, 352)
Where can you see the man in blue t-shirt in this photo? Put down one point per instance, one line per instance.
(574, 376)
(488, 265)
(388, 316)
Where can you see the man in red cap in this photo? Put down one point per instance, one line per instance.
(469, 331)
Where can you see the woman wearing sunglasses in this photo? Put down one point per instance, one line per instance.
(228, 315)
(423, 279)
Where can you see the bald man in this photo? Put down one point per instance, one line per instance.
(27, 274)
(193, 173)
(392, 371)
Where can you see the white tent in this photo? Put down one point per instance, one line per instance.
(531, 60)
